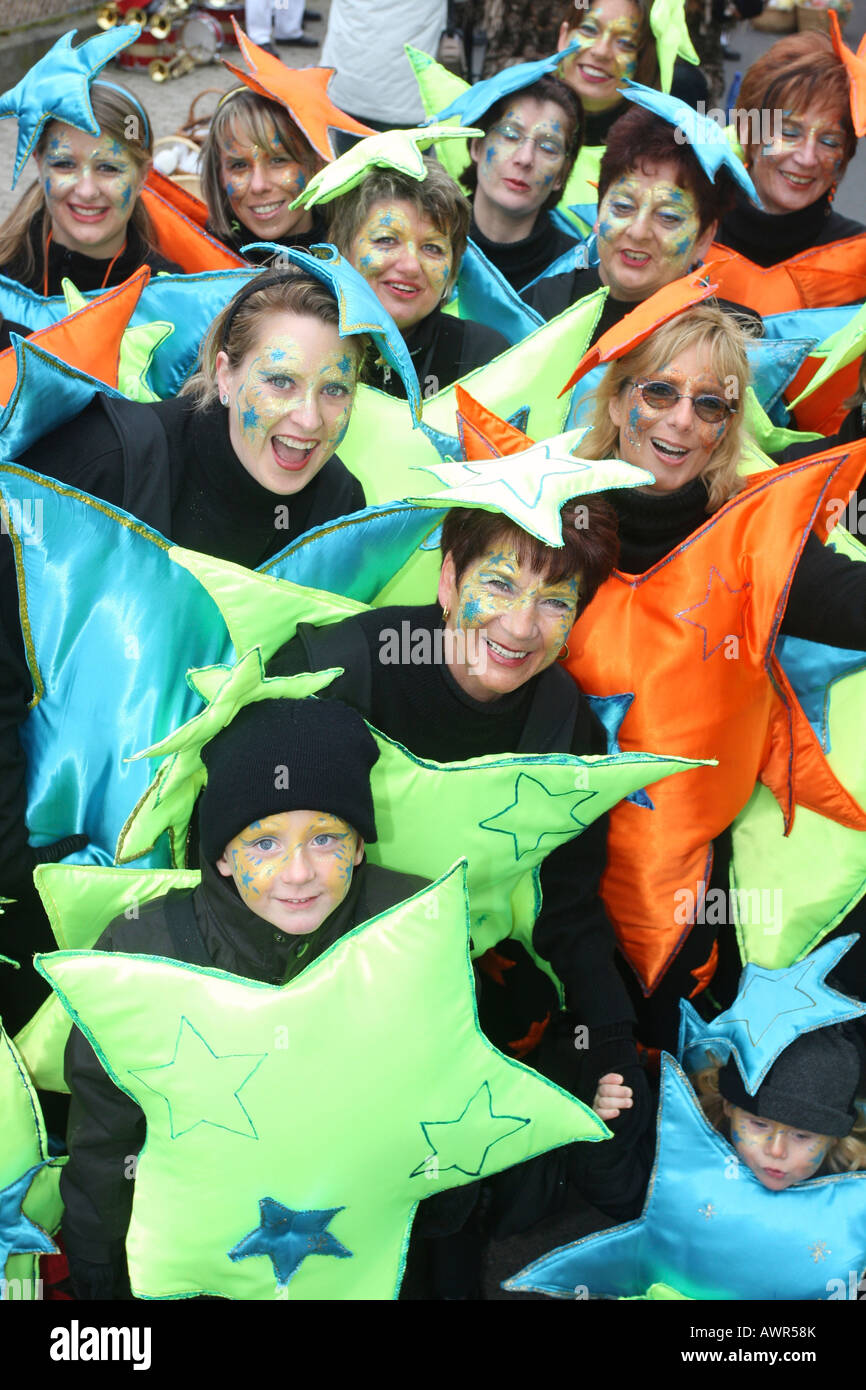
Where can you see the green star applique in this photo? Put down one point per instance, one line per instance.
(200, 1086)
(524, 819)
(394, 149)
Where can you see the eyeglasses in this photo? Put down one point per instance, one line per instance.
(661, 396)
(513, 135)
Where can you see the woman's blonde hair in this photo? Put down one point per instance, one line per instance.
(437, 196)
(296, 293)
(117, 112)
(846, 1155)
(262, 118)
(704, 327)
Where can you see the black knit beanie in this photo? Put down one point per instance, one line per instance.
(286, 755)
(811, 1086)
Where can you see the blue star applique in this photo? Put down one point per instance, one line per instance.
(525, 817)
(57, 88)
(464, 1143)
(693, 1232)
(772, 1008)
(730, 616)
(287, 1237)
(200, 1087)
(18, 1234)
(611, 710)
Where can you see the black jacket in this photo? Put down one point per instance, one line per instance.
(84, 272)
(173, 468)
(443, 349)
(207, 926)
(241, 236)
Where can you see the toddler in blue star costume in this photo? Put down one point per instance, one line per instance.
(758, 1188)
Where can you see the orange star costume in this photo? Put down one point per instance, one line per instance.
(88, 340)
(693, 640)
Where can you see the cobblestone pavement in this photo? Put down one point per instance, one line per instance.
(168, 103)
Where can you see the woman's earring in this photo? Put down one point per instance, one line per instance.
(564, 653)
(224, 400)
(446, 614)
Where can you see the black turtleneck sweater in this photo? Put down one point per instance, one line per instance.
(768, 238)
(242, 236)
(84, 272)
(443, 349)
(523, 261)
(107, 1127)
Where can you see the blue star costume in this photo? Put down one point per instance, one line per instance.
(709, 1227)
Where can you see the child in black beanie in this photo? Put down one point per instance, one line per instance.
(283, 822)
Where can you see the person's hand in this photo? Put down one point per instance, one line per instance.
(611, 1097)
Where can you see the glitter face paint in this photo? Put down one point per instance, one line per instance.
(90, 188)
(261, 183)
(519, 161)
(294, 868)
(803, 163)
(523, 621)
(648, 232)
(405, 258)
(674, 445)
(778, 1155)
(609, 36)
(290, 400)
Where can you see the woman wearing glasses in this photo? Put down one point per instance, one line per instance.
(517, 175)
(674, 406)
(796, 153)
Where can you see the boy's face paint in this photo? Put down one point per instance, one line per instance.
(648, 232)
(91, 184)
(261, 183)
(609, 35)
(519, 161)
(405, 258)
(293, 868)
(674, 445)
(519, 618)
(778, 1155)
(799, 167)
(290, 399)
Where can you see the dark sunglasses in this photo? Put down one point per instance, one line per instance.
(661, 395)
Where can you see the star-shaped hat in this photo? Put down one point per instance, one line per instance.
(671, 33)
(303, 92)
(772, 1008)
(57, 88)
(633, 328)
(856, 66)
(471, 104)
(706, 138)
(393, 149)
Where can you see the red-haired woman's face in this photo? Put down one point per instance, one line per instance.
(609, 37)
(803, 162)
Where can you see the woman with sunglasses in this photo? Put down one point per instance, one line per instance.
(673, 405)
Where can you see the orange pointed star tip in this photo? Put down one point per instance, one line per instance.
(302, 91)
(483, 434)
(643, 320)
(704, 973)
(89, 339)
(855, 64)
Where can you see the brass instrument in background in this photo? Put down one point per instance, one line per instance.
(160, 71)
(108, 15)
(162, 23)
(136, 16)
